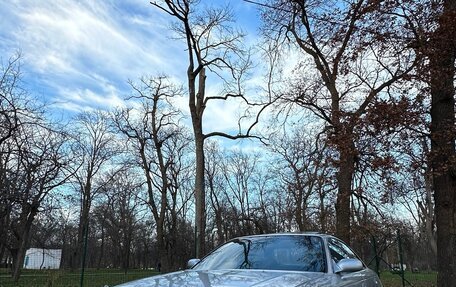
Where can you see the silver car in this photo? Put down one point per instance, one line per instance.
(286, 259)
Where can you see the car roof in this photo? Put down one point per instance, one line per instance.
(307, 233)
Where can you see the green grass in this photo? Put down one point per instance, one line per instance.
(422, 279)
(62, 278)
(110, 277)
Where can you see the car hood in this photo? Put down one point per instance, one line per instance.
(241, 278)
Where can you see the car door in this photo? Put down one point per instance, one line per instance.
(363, 278)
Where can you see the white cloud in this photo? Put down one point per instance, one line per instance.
(81, 53)
(221, 116)
(87, 45)
(85, 99)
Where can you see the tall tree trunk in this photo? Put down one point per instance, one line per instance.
(345, 173)
(442, 72)
(200, 216)
(197, 106)
(18, 259)
(82, 228)
(429, 213)
(101, 254)
(323, 215)
(162, 252)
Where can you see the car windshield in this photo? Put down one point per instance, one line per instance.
(287, 252)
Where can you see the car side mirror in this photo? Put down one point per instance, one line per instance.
(348, 265)
(192, 262)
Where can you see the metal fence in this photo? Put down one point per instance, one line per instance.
(385, 255)
(390, 256)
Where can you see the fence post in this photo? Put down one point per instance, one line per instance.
(399, 242)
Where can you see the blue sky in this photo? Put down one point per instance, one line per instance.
(79, 55)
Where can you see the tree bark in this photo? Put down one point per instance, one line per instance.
(196, 105)
(200, 206)
(442, 72)
(428, 213)
(29, 214)
(83, 222)
(345, 174)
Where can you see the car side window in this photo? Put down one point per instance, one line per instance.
(339, 250)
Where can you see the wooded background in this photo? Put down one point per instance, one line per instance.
(350, 132)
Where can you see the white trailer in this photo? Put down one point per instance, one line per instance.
(38, 258)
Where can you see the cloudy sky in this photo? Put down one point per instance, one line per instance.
(78, 55)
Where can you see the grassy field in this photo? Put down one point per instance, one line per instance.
(422, 279)
(110, 277)
(62, 278)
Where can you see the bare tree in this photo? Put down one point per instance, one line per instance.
(120, 215)
(32, 159)
(304, 172)
(356, 57)
(158, 144)
(238, 170)
(416, 193)
(215, 184)
(12, 100)
(212, 44)
(240, 193)
(14, 110)
(35, 169)
(93, 150)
